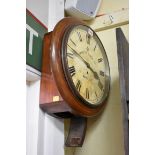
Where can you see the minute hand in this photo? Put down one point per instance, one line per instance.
(86, 63)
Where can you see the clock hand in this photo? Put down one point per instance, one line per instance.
(96, 77)
(87, 64)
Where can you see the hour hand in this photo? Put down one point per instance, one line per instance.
(86, 63)
(79, 56)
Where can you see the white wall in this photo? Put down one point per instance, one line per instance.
(53, 136)
(56, 12)
(32, 113)
(39, 8)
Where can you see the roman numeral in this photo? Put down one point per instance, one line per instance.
(100, 60)
(101, 73)
(100, 85)
(72, 70)
(78, 85)
(73, 42)
(79, 35)
(87, 93)
(70, 55)
(88, 38)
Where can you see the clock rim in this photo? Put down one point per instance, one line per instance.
(68, 76)
(78, 108)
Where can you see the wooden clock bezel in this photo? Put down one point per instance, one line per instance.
(58, 72)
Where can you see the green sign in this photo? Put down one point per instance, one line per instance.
(34, 41)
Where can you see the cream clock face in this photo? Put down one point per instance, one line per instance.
(86, 65)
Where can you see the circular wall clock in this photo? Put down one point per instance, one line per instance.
(75, 79)
(80, 67)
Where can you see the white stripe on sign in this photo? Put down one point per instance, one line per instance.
(32, 32)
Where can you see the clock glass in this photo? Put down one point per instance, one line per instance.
(85, 65)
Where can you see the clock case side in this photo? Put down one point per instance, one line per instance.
(57, 68)
(50, 98)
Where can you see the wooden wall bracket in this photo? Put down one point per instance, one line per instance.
(77, 132)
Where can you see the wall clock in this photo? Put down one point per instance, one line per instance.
(75, 78)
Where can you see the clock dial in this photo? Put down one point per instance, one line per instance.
(86, 65)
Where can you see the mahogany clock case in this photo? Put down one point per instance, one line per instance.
(54, 56)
